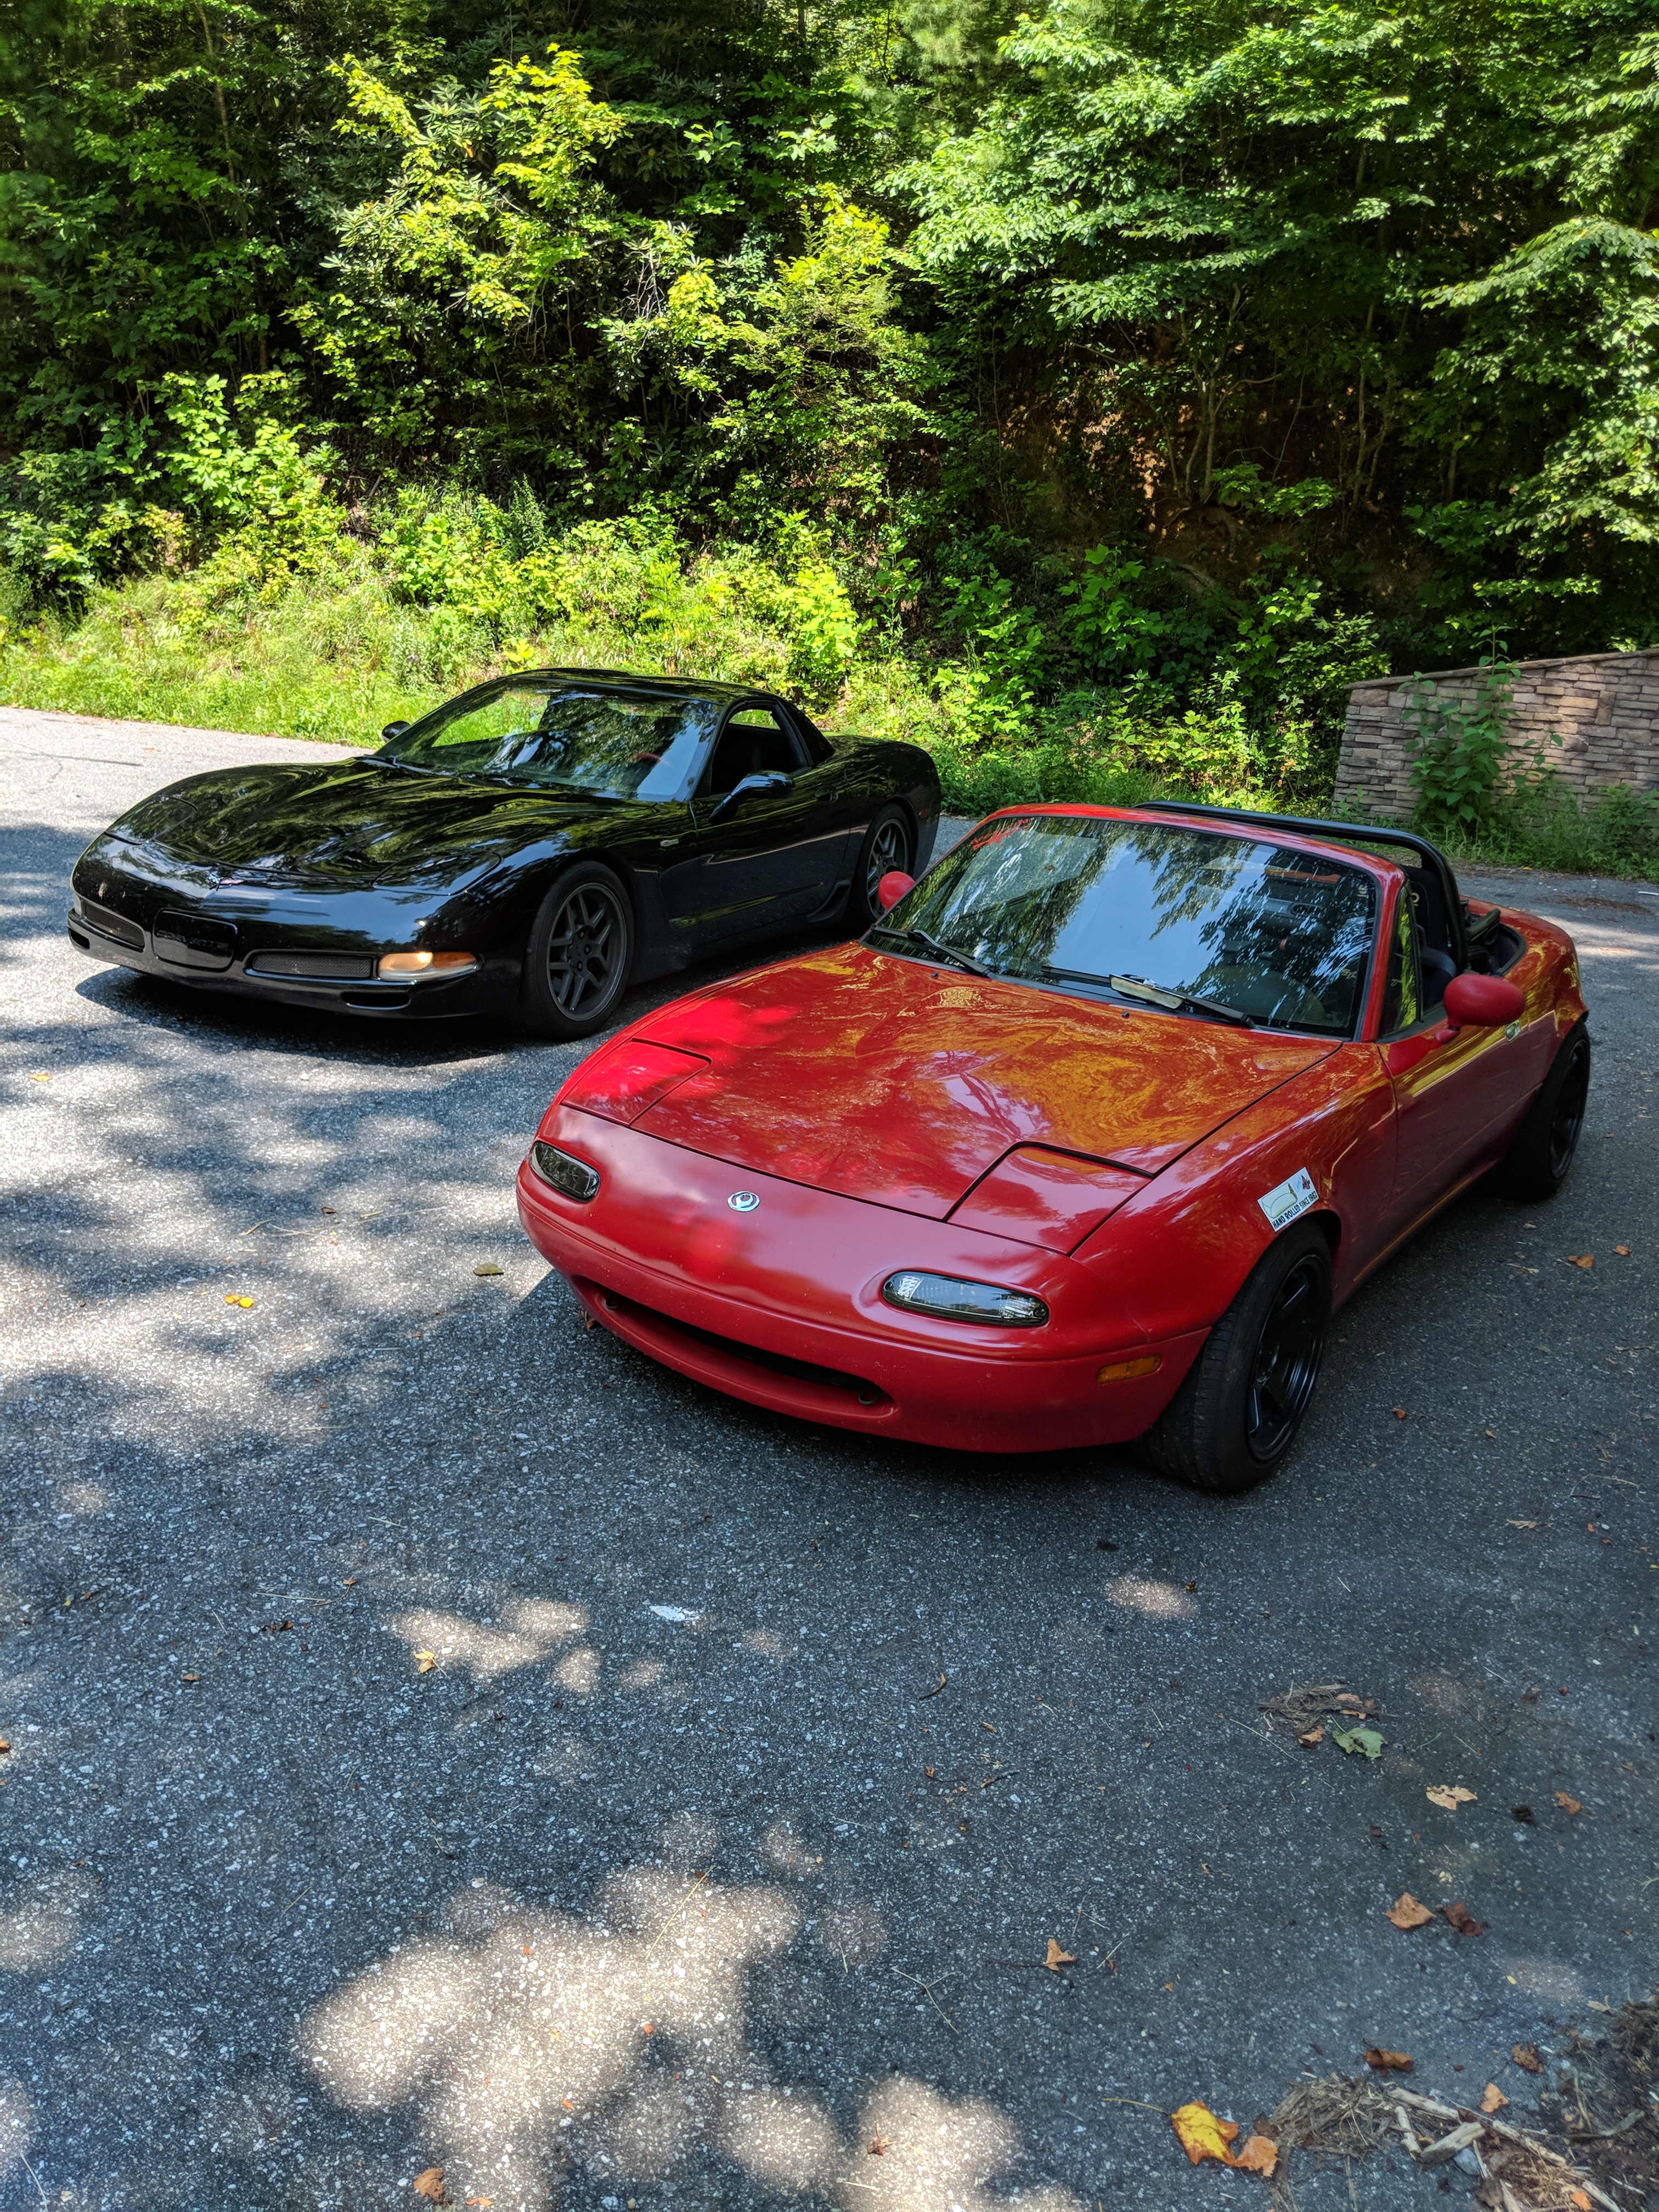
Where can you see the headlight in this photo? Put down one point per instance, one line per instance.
(571, 1177)
(427, 964)
(948, 1299)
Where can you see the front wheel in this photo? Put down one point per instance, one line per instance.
(1237, 1412)
(886, 846)
(580, 950)
(1542, 1149)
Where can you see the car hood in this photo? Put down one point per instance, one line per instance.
(881, 1078)
(344, 824)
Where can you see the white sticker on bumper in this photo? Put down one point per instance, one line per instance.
(1282, 1204)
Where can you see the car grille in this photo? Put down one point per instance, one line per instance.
(667, 1332)
(112, 925)
(334, 966)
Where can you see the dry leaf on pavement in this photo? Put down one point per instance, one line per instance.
(488, 1268)
(1389, 2061)
(1462, 1919)
(1400, 1413)
(1494, 2100)
(1569, 1806)
(1525, 2055)
(1313, 1737)
(1203, 2135)
(1406, 1912)
(231, 1299)
(1260, 2155)
(1623, 1250)
(425, 1662)
(1581, 1259)
(1578, 2201)
(1449, 1797)
(430, 2184)
(1057, 1958)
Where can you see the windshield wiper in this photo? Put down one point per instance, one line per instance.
(939, 951)
(1154, 994)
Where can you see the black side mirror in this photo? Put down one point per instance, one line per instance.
(772, 780)
(393, 730)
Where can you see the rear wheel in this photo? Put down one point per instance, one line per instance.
(1237, 1414)
(886, 846)
(1542, 1149)
(580, 950)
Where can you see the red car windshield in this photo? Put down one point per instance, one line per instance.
(1221, 927)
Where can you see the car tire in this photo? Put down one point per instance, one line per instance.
(1242, 1403)
(887, 845)
(1541, 1153)
(579, 953)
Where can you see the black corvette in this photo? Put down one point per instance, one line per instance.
(526, 849)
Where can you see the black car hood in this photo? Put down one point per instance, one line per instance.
(351, 823)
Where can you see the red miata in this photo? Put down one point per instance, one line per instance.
(1082, 1142)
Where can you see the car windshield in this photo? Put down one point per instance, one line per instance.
(1220, 927)
(563, 736)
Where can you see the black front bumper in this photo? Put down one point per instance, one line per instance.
(181, 954)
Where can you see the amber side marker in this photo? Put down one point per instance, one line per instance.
(1122, 1370)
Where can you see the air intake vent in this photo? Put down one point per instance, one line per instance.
(115, 925)
(332, 967)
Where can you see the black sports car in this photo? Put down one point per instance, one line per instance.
(527, 849)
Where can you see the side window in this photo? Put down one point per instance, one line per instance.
(753, 742)
(1402, 1002)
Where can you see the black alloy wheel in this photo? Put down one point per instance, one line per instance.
(1243, 1401)
(1287, 1357)
(886, 847)
(1542, 1150)
(581, 951)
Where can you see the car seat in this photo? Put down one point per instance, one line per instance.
(750, 749)
(1433, 926)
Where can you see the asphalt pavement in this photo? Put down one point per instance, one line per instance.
(440, 1738)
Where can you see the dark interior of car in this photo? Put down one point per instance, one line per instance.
(1434, 939)
(746, 747)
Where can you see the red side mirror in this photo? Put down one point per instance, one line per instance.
(1483, 1002)
(892, 887)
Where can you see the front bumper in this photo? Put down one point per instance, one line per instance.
(491, 988)
(780, 1305)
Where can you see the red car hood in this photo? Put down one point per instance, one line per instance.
(883, 1079)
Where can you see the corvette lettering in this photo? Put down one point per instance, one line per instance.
(1287, 1201)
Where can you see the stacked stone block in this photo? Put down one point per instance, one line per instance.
(1594, 719)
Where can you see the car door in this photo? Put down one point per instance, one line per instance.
(1448, 1085)
(774, 856)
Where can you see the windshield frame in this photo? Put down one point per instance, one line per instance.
(1385, 875)
(714, 709)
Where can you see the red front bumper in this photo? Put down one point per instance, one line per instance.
(781, 1305)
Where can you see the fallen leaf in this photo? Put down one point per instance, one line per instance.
(1462, 1919)
(648, 2027)
(430, 2184)
(43, 1077)
(1400, 1413)
(1525, 1524)
(488, 1268)
(1260, 2155)
(190, 1678)
(1057, 1958)
(1313, 1737)
(878, 2147)
(1577, 2199)
(1361, 1739)
(1494, 2100)
(481, 2200)
(1581, 1259)
(1389, 2061)
(1525, 2056)
(425, 1662)
(1203, 2135)
(1449, 1797)
(1407, 1912)
(231, 1299)
(1569, 1806)
(5, 1748)
(1623, 1250)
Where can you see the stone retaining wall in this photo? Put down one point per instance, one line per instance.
(1596, 720)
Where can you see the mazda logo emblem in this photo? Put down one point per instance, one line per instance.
(744, 1201)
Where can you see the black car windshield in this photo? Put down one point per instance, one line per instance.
(562, 735)
(1216, 925)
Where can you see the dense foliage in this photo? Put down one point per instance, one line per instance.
(1099, 389)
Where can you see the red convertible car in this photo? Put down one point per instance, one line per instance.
(1081, 1143)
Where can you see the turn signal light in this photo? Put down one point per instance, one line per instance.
(405, 964)
(947, 1298)
(571, 1177)
(1125, 1370)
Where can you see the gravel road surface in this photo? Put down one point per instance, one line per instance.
(440, 1738)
